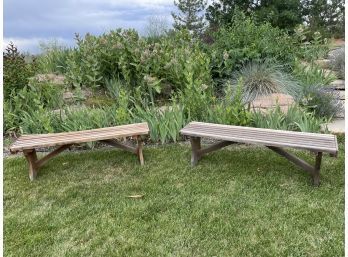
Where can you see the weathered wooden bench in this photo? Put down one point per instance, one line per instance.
(273, 139)
(28, 143)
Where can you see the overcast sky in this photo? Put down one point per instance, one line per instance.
(28, 22)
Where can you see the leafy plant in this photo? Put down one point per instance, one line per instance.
(53, 58)
(245, 40)
(230, 109)
(312, 74)
(295, 119)
(321, 100)
(311, 46)
(164, 123)
(263, 78)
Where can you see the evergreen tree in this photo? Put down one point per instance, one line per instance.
(325, 16)
(280, 13)
(190, 16)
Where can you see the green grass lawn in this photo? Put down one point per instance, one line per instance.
(240, 201)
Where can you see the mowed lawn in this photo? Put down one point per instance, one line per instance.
(239, 201)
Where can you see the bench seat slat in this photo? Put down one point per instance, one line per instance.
(77, 136)
(321, 141)
(269, 137)
(55, 139)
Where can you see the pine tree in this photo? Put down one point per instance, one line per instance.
(190, 16)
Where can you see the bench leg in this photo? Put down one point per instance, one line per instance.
(31, 157)
(316, 170)
(196, 147)
(140, 150)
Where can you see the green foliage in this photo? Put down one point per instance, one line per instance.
(72, 119)
(230, 110)
(36, 121)
(295, 119)
(312, 46)
(155, 68)
(196, 95)
(327, 17)
(164, 123)
(282, 14)
(190, 17)
(320, 100)
(312, 74)
(244, 41)
(16, 71)
(263, 78)
(28, 110)
(53, 58)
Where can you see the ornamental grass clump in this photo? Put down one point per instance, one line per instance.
(263, 78)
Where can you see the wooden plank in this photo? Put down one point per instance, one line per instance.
(265, 142)
(57, 136)
(43, 160)
(214, 147)
(316, 176)
(72, 138)
(140, 150)
(299, 162)
(31, 157)
(274, 133)
(196, 146)
(321, 142)
(143, 125)
(114, 143)
(325, 143)
(265, 135)
(84, 134)
(193, 123)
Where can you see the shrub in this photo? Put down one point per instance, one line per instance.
(72, 119)
(321, 100)
(244, 41)
(310, 47)
(230, 109)
(36, 121)
(16, 71)
(337, 62)
(53, 58)
(263, 78)
(295, 119)
(27, 110)
(164, 123)
(312, 74)
(155, 68)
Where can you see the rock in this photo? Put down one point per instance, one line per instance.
(53, 78)
(334, 52)
(323, 63)
(336, 126)
(342, 94)
(340, 114)
(68, 96)
(272, 100)
(338, 84)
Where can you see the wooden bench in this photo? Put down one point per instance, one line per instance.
(273, 139)
(28, 143)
